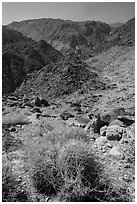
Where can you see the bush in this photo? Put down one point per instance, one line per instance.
(68, 168)
(10, 143)
(76, 133)
(41, 163)
(11, 188)
(80, 170)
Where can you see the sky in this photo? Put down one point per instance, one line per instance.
(108, 12)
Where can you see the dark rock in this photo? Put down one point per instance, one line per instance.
(36, 110)
(114, 132)
(44, 102)
(37, 102)
(12, 129)
(126, 121)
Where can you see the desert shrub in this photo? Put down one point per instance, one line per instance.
(80, 171)
(69, 168)
(41, 163)
(62, 136)
(76, 133)
(11, 188)
(14, 119)
(10, 143)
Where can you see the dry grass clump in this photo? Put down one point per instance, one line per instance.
(41, 163)
(63, 136)
(76, 133)
(11, 188)
(80, 171)
(9, 142)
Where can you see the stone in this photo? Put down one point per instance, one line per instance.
(65, 115)
(83, 120)
(115, 151)
(111, 115)
(100, 141)
(103, 130)
(127, 121)
(95, 124)
(72, 122)
(12, 129)
(109, 145)
(33, 118)
(117, 122)
(114, 132)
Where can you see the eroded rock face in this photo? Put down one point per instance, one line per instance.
(114, 132)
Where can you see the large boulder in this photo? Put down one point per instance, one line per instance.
(114, 132)
(111, 115)
(101, 141)
(103, 119)
(83, 121)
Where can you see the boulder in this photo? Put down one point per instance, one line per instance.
(95, 124)
(117, 122)
(114, 132)
(103, 131)
(12, 129)
(116, 152)
(100, 141)
(111, 115)
(83, 120)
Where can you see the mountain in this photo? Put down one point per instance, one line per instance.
(22, 55)
(121, 36)
(115, 25)
(33, 56)
(64, 34)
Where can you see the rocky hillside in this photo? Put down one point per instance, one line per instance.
(64, 34)
(21, 56)
(69, 75)
(121, 36)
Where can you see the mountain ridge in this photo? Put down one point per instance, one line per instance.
(64, 34)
